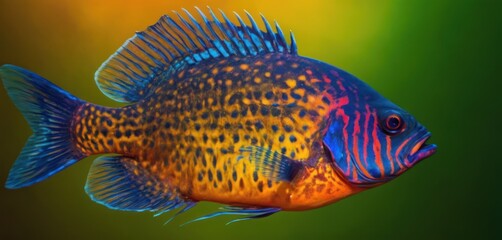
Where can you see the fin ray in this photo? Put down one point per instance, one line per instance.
(49, 112)
(271, 163)
(252, 213)
(147, 59)
(122, 183)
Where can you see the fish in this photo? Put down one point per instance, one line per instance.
(218, 111)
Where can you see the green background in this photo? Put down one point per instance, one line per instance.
(440, 60)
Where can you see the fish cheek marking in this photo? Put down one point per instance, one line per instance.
(389, 155)
(377, 150)
(366, 134)
(355, 139)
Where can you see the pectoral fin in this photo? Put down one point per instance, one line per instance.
(272, 163)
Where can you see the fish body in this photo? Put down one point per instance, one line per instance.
(192, 131)
(216, 112)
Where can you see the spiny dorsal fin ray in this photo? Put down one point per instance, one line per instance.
(148, 58)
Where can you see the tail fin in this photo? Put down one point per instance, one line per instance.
(49, 110)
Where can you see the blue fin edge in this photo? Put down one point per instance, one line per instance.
(49, 111)
(121, 183)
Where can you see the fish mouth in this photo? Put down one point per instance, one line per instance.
(421, 150)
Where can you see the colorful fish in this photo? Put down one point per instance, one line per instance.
(216, 112)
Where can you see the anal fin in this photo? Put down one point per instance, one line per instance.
(121, 183)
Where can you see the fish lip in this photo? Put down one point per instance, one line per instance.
(421, 150)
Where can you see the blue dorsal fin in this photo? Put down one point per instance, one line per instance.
(151, 56)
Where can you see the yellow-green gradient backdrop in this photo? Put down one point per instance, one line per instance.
(437, 59)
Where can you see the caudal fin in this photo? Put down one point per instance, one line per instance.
(48, 110)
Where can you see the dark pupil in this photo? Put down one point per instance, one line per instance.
(393, 122)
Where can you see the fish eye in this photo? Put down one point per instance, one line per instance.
(393, 124)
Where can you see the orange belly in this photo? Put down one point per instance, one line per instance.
(312, 188)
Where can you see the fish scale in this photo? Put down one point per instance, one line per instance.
(203, 137)
(216, 112)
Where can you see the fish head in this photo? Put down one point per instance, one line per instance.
(371, 140)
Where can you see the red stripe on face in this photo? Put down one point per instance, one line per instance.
(389, 155)
(356, 131)
(377, 147)
(400, 148)
(336, 102)
(341, 113)
(354, 173)
(365, 135)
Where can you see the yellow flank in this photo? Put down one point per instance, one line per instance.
(106, 130)
(191, 132)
